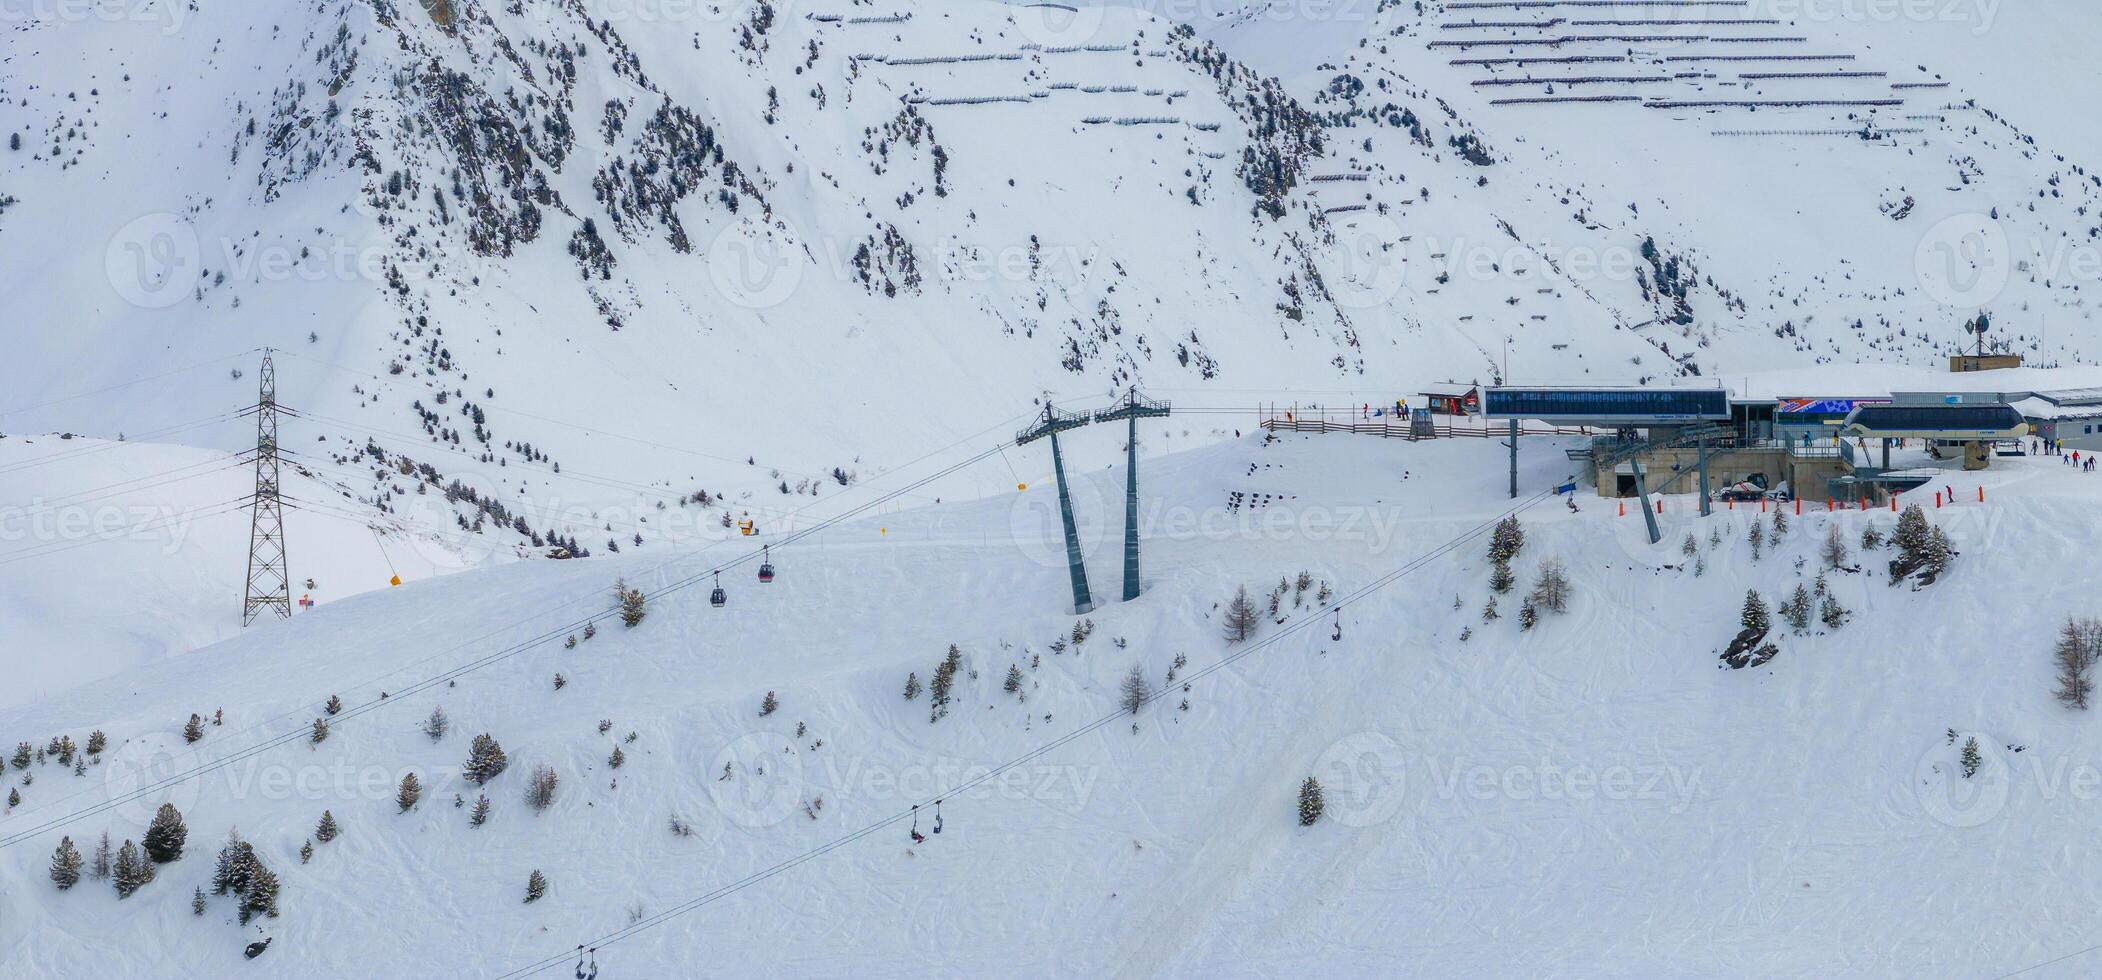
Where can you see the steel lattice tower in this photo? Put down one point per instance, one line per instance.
(269, 582)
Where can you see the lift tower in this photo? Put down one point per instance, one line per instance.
(1051, 422)
(269, 583)
(1133, 408)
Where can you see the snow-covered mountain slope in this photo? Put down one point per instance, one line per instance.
(1593, 795)
(648, 245)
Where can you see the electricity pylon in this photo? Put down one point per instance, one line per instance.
(269, 582)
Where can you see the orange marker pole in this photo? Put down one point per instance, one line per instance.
(1660, 506)
(1981, 493)
(1893, 504)
(1623, 508)
(1799, 506)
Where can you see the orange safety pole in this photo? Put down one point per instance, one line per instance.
(1828, 503)
(1799, 506)
(1893, 503)
(1660, 505)
(1981, 493)
(1762, 505)
(1937, 500)
(1623, 508)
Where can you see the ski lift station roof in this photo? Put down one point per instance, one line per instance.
(1951, 420)
(1637, 407)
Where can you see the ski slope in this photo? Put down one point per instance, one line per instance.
(1595, 795)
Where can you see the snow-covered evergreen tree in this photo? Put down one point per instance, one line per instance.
(1310, 804)
(65, 864)
(165, 835)
(411, 790)
(326, 830)
(485, 760)
(480, 814)
(536, 886)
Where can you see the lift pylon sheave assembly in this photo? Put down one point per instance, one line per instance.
(1133, 408)
(1050, 422)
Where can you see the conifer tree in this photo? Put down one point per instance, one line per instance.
(1834, 551)
(1528, 614)
(1757, 536)
(540, 790)
(485, 760)
(1240, 616)
(912, 685)
(334, 705)
(65, 864)
(190, 732)
(938, 697)
(306, 852)
(102, 868)
(2075, 657)
(326, 831)
(1971, 757)
(166, 835)
(1500, 578)
(1551, 590)
(768, 704)
(1797, 609)
(1310, 804)
(437, 724)
(480, 814)
(410, 792)
(126, 874)
(320, 731)
(1013, 684)
(631, 603)
(1136, 690)
(97, 742)
(1755, 617)
(616, 759)
(197, 901)
(1780, 524)
(536, 886)
(261, 898)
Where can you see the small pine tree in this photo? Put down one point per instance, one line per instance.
(1755, 617)
(410, 792)
(1489, 613)
(97, 742)
(1013, 685)
(190, 732)
(126, 875)
(1871, 539)
(262, 894)
(614, 761)
(102, 868)
(938, 695)
(1831, 613)
(1757, 536)
(14, 797)
(320, 731)
(1310, 805)
(631, 603)
(1528, 614)
(65, 864)
(436, 725)
(197, 901)
(1797, 609)
(1240, 616)
(480, 814)
(1500, 578)
(912, 685)
(1834, 551)
(1136, 690)
(540, 790)
(326, 830)
(1690, 547)
(2075, 658)
(1506, 541)
(1971, 758)
(334, 705)
(768, 704)
(485, 760)
(1551, 590)
(306, 852)
(536, 886)
(1780, 524)
(166, 835)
